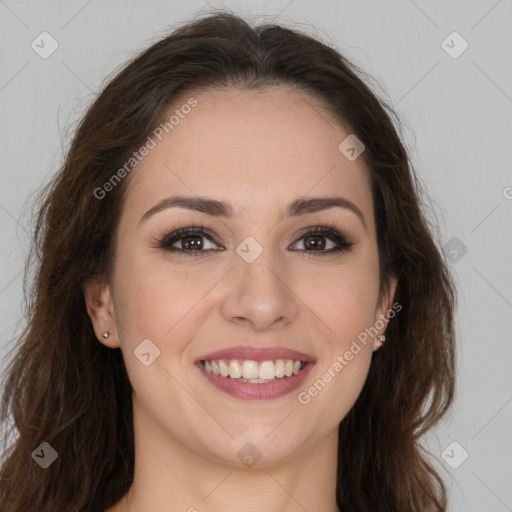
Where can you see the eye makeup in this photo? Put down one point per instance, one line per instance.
(191, 240)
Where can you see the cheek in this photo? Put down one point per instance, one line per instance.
(155, 295)
(346, 350)
(335, 304)
(166, 303)
(344, 298)
(156, 302)
(152, 297)
(344, 302)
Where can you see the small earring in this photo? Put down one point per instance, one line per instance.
(381, 337)
(105, 335)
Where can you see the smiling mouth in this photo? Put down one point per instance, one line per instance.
(253, 372)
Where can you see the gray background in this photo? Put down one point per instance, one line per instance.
(457, 113)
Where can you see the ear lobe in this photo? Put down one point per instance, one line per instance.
(385, 304)
(98, 302)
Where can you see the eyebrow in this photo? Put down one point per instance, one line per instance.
(208, 206)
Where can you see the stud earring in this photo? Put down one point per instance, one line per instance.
(105, 335)
(381, 337)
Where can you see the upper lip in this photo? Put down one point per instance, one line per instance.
(256, 354)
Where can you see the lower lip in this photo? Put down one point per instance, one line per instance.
(262, 391)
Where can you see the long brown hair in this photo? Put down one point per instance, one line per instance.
(65, 388)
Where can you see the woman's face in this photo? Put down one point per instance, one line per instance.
(256, 285)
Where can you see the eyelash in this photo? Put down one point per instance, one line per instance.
(342, 242)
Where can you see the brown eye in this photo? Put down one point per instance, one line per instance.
(190, 241)
(315, 242)
(323, 240)
(194, 242)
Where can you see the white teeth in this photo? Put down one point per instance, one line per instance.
(253, 371)
(280, 369)
(224, 368)
(235, 369)
(250, 370)
(267, 370)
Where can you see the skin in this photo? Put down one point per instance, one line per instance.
(259, 151)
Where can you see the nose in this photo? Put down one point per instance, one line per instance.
(260, 294)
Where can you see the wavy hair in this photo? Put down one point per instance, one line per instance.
(64, 387)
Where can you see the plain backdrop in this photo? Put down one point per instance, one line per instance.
(456, 105)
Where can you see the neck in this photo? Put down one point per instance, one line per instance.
(169, 476)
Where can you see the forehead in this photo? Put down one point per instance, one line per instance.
(250, 147)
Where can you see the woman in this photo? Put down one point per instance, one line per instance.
(237, 302)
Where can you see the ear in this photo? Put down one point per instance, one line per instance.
(384, 308)
(100, 308)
